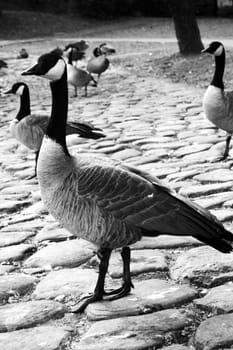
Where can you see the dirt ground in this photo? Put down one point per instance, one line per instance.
(162, 59)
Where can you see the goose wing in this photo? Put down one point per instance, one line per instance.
(141, 200)
(38, 121)
(85, 130)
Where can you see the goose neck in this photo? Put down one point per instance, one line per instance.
(24, 109)
(56, 129)
(219, 71)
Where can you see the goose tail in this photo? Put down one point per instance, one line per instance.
(94, 82)
(209, 229)
(84, 130)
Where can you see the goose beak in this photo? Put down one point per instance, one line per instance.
(206, 50)
(34, 70)
(9, 91)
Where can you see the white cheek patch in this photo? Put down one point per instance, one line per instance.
(19, 91)
(56, 71)
(219, 51)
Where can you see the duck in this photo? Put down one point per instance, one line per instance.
(218, 103)
(29, 128)
(99, 63)
(78, 77)
(106, 202)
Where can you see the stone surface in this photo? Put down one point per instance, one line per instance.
(54, 233)
(218, 299)
(10, 238)
(28, 314)
(215, 333)
(142, 261)
(15, 284)
(15, 252)
(6, 268)
(201, 190)
(165, 242)
(198, 264)
(134, 333)
(38, 338)
(147, 296)
(68, 254)
(66, 282)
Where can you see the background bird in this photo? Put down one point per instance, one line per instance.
(78, 77)
(218, 103)
(107, 49)
(98, 64)
(29, 128)
(107, 203)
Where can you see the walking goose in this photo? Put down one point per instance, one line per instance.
(99, 63)
(107, 203)
(29, 128)
(218, 103)
(78, 77)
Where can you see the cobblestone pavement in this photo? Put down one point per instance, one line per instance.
(183, 289)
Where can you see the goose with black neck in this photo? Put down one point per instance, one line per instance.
(108, 203)
(218, 103)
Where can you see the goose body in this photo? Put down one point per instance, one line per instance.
(99, 63)
(108, 203)
(218, 103)
(78, 77)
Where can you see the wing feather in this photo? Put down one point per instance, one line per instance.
(141, 200)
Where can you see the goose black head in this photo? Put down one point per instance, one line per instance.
(97, 52)
(49, 65)
(16, 89)
(107, 49)
(215, 48)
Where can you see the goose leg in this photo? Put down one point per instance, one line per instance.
(104, 256)
(127, 283)
(85, 91)
(75, 92)
(36, 160)
(228, 140)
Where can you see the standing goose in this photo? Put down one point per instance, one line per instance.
(78, 77)
(217, 103)
(99, 63)
(109, 204)
(29, 128)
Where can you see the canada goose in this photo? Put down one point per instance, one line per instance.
(23, 53)
(218, 103)
(78, 77)
(107, 49)
(107, 203)
(99, 63)
(81, 45)
(29, 128)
